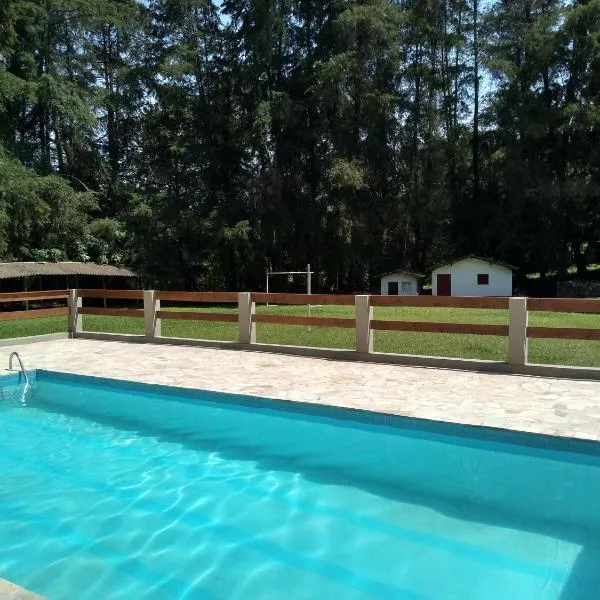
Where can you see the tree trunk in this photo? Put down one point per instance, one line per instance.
(476, 101)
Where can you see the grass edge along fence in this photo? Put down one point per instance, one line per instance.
(518, 331)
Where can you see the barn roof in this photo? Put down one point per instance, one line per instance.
(11, 270)
(401, 271)
(482, 258)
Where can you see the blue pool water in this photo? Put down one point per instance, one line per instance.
(112, 490)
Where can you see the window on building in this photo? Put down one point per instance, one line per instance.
(483, 279)
(406, 286)
(392, 288)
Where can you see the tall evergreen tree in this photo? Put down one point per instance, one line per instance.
(205, 141)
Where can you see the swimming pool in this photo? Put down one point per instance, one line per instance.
(118, 490)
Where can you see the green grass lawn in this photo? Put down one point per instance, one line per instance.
(564, 352)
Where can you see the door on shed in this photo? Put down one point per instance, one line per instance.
(444, 285)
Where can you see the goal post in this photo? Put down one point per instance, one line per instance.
(308, 274)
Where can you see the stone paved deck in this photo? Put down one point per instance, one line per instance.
(10, 591)
(561, 407)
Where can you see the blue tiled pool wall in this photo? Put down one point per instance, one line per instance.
(12, 379)
(13, 385)
(507, 473)
(355, 417)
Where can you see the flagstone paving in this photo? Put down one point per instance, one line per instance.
(562, 407)
(10, 591)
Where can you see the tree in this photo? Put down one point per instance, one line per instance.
(202, 141)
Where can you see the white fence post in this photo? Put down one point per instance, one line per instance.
(152, 325)
(75, 319)
(517, 331)
(246, 310)
(364, 314)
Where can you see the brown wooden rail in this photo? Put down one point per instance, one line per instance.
(440, 301)
(208, 297)
(533, 304)
(426, 327)
(23, 296)
(332, 299)
(197, 316)
(578, 305)
(563, 333)
(112, 312)
(316, 321)
(34, 314)
(121, 294)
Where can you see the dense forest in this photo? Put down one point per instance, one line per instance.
(201, 142)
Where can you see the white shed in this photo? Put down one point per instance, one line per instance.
(472, 276)
(400, 283)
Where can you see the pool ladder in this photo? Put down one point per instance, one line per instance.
(10, 362)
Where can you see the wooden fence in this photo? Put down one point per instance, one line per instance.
(517, 330)
(26, 297)
(198, 298)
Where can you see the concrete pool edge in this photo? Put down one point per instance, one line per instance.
(556, 407)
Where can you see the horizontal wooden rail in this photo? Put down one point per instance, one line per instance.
(333, 299)
(121, 294)
(563, 333)
(426, 327)
(197, 316)
(577, 305)
(440, 301)
(34, 314)
(207, 297)
(112, 312)
(24, 296)
(316, 321)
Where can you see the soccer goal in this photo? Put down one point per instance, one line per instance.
(308, 274)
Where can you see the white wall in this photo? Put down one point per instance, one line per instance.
(464, 278)
(400, 278)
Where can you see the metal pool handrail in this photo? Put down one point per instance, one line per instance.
(10, 361)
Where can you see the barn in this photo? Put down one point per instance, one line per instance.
(400, 283)
(472, 276)
(30, 276)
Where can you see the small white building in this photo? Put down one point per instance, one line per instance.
(400, 283)
(472, 276)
